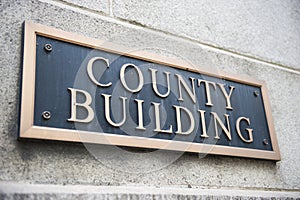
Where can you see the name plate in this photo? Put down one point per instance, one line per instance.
(86, 90)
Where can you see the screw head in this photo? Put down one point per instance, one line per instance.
(46, 115)
(265, 141)
(48, 47)
(256, 93)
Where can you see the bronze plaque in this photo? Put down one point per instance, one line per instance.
(75, 90)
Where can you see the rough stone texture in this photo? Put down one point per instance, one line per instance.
(116, 196)
(96, 5)
(269, 30)
(39, 191)
(49, 162)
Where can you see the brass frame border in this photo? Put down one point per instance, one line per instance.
(28, 130)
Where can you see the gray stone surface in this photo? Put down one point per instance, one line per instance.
(10, 190)
(47, 162)
(96, 5)
(268, 30)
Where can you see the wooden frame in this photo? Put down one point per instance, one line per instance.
(28, 130)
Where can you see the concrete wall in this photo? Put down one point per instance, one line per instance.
(256, 38)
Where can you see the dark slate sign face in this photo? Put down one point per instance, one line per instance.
(75, 91)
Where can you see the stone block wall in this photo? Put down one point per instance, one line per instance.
(260, 39)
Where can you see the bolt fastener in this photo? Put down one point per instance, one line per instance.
(265, 141)
(256, 93)
(46, 115)
(48, 47)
